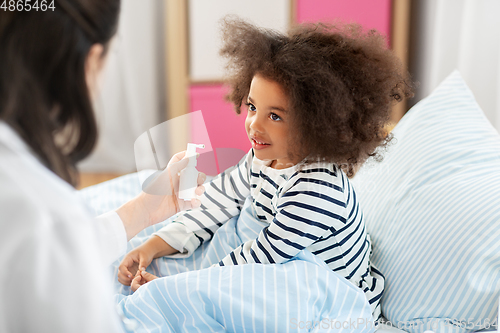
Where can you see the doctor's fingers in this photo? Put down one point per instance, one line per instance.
(177, 157)
(194, 203)
(201, 179)
(200, 190)
(175, 167)
(177, 163)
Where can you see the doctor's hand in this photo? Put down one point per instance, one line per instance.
(160, 194)
(159, 199)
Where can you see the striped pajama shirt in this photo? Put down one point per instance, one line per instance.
(312, 206)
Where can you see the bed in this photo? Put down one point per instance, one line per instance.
(432, 209)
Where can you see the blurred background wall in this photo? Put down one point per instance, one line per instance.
(165, 63)
(132, 97)
(458, 34)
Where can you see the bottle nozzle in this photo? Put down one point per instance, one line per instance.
(191, 148)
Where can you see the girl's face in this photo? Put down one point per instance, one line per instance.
(267, 123)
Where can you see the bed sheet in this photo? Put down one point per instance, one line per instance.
(302, 294)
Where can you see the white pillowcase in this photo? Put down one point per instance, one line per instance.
(432, 209)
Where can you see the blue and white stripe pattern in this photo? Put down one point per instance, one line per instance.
(300, 295)
(311, 206)
(432, 208)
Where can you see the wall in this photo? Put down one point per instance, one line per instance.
(463, 35)
(131, 100)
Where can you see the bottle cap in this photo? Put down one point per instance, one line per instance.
(191, 153)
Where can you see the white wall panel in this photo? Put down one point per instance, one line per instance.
(130, 98)
(463, 35)
(204, 29)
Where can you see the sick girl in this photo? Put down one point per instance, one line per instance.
(318, 99)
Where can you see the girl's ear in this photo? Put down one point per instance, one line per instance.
(93, 66)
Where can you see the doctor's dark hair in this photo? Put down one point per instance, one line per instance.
(341, 83)
(43, 90)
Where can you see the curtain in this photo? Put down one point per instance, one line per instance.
(131, 96)
(463, 35)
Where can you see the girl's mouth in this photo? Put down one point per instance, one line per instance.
(256, 144)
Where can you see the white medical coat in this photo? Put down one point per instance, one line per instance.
(53, 254)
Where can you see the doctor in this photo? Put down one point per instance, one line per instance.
(53, 255)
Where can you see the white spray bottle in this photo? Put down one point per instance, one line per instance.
(189, 175)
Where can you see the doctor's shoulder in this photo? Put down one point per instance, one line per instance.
(33, 198)
(49, 254)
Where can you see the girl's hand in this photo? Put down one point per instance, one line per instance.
(158, 201)
(141, 278)
(140, 258)
(135, 261)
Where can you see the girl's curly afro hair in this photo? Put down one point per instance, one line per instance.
(341, 83)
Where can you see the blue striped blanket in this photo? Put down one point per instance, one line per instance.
(300, 295)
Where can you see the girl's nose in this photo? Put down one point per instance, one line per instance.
(256, 124)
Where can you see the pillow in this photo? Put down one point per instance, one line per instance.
(432, 209)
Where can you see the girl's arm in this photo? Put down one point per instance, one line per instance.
(311, 206)
(223, 199)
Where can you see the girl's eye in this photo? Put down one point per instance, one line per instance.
(275, 117)
(251, 107)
